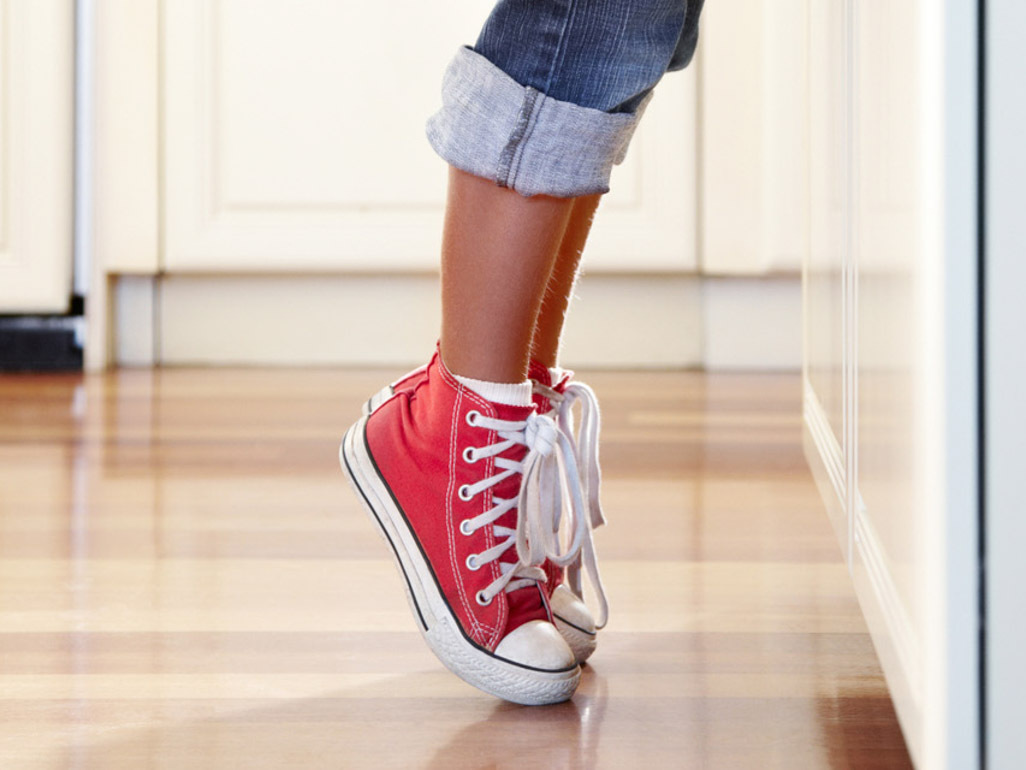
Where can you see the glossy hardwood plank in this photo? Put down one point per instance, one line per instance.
(186, 580)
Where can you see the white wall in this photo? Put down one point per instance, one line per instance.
(251, 207)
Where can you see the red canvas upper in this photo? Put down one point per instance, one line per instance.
(410, 380)
(417, 439)
(539, 373)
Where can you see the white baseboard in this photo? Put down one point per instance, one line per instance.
(752, 323)
(871, 567)
(661, 321)
(135, 303)
(901, 653)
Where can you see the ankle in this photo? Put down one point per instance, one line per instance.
(488, 360)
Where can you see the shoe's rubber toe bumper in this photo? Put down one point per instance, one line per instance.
(536, 644)
(574, 622)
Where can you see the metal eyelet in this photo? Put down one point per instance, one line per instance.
(468, 456)
(464, 493)
(481, 600)
(465, 527)
(472, 416)
(472, 564)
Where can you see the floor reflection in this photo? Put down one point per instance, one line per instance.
(565, 735)
(186, 581)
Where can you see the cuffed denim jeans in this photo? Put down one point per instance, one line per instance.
(547, 100)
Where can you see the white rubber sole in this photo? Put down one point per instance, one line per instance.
(438, 625)
(377, 400)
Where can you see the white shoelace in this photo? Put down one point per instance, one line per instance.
(550, 456)
(585, 450)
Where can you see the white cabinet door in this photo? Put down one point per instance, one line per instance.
(890, 354)
(36, 135)
(754, 136)
(294, 142)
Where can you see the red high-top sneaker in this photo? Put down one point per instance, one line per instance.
(452, 482)
(571, 615)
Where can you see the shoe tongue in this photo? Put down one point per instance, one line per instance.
(556, 378)
(539, 373)
(564, 379)
(511, 412)
(510, 487)
(525, 604)
(543, 375)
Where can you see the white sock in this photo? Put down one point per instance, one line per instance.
(510, 393)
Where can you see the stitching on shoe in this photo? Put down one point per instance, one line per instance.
(489, 470)
(503, 607)
(476, 628)
(460, 591)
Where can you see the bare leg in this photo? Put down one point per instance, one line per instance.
(549, 328)
(498, 249)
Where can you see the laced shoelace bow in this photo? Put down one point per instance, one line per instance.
(550, 456)
(586, 454)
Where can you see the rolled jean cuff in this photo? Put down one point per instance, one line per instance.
(491, 126)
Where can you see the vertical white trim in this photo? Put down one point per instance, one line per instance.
(849, 314)
(957, 60)
(947, 473)
(124, 141)
(807, 255)
(84, 92)
(1005, 431)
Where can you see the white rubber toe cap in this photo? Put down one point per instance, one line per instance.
(571, 609)
(574, 622)
(537, 644)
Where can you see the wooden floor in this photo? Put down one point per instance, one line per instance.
(187, 581)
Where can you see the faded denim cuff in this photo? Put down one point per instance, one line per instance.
(491, 126)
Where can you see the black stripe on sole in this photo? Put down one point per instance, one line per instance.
(582, 630)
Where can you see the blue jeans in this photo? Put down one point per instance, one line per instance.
(547, 100)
